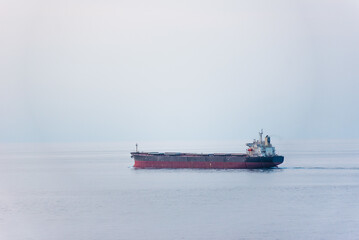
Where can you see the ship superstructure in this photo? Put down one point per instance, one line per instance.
(260, 148)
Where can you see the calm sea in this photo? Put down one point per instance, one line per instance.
(90, 191)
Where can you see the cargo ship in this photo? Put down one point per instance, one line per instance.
(259, 154)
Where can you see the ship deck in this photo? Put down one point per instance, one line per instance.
(185, 154)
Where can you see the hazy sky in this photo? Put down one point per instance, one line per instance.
(176, 70)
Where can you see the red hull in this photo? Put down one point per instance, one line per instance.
(218, 165)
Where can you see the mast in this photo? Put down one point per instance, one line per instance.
(260, 136)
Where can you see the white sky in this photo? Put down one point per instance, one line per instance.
(178, 70)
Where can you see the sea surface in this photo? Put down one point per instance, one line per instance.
(85, 191)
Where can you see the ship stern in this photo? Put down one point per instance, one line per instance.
(264, 162)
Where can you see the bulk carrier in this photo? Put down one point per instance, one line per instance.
(259, 154)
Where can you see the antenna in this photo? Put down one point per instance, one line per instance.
(260, 135)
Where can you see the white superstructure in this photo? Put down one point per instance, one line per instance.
(260, 148)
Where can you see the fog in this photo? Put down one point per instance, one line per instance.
(178, 70)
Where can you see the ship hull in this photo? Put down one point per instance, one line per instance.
(236, 161)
